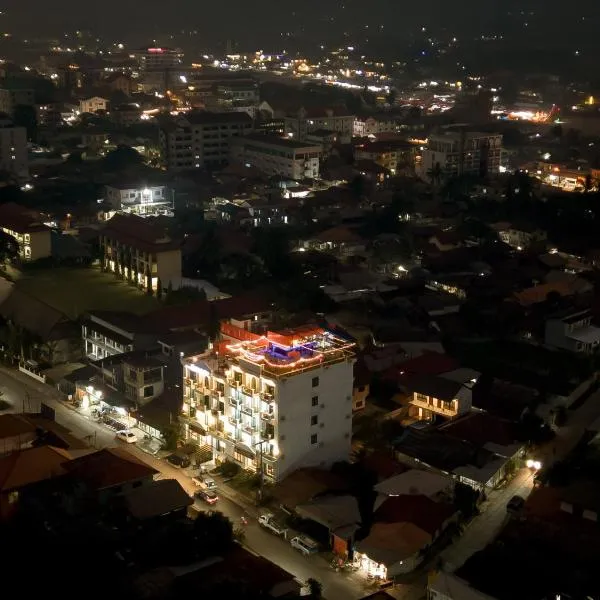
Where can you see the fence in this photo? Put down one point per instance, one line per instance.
(34, 373)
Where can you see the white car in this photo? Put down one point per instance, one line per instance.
(127, 437)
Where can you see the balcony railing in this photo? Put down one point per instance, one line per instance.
(248, 410)
(447, 412)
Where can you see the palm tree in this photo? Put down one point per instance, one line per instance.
(315, 589)
(435, 174)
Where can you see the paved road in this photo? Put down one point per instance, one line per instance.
(26, 394)
(484, 528)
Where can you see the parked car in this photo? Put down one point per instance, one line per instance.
(267, 520)
(304, 544)
(208, 496)
(179, 460)
(515, 505)
(208, 483)
(127, 436)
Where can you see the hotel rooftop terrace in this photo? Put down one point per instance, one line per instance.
(284, 352)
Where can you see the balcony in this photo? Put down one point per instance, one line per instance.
(248, 410)
(234, 421)
(249, 429)
(269, 417)
(445, 412)
(268, 398)
(234, 402)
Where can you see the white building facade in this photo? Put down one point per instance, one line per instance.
(275, 155)
(92, 105)
(142, 200)
(273, 403)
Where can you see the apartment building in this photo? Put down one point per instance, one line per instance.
(462, 153)
(388, 155)
(272, 403)
(298, 125)
(374, 125)
(201, 139)
(149, 200)
(92, 105)
(13, 149)
(276, 155)
(240, 95)
(159, 67)
(33, 237)
(140, 253)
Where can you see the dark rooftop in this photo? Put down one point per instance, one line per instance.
(139, 233)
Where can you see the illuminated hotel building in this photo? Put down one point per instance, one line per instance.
(275, 402)
(140, 253)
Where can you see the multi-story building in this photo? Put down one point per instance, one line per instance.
(445, 396)
(375, 125)
(241, 95)
(389, 155)
(33, 237)
(455, 153)
(520, 236)
(272, 403)
(13, 150)
(9, 99)
(141, 200)
(572, 330)
(140, 253)
(201, 139)
(92, 105)
(158, 67)
(275, 155)
(108, 333)
(306, 121)
(143, 377)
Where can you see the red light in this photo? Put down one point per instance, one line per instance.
(156, 50)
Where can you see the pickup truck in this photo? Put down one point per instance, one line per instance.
(268, 522)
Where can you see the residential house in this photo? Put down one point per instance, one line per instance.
(445, 396)
(520, 236)
(26, 226)
(446, 241)
(26, 472)
(404, 527)
(93, 104)
(342, 241)
(55, 336)
(565, 287)
(572, 330)
(375, 124)
(143, 200)
(468, 463)
(156, 501)
(107, 473)
(16, 433)
(120, 82)
(126, 115)
(140, 253)
(434, 486)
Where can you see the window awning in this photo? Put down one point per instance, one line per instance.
(245, 451)
(197, 428)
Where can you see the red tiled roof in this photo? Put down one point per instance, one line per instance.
(138, 233)
(423, 512)
(198, 314)
(12, 425)
(339, 234)
(480, 428)
(384, 465)
(20, 219)
(429, 363)
(109, 467)
(30, 466)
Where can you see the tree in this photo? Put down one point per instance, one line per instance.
(435, 174)
(315, 589)
(358, 187)
(213, 532)
(24, 115)
(465, 500)
(122, 158)
(391, 97)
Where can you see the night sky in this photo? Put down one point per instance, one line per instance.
(245, 21)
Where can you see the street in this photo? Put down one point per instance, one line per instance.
(26, 394)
